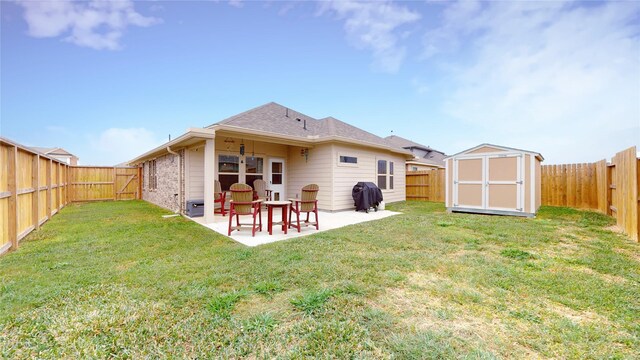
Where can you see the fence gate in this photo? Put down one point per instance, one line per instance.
(127, 180)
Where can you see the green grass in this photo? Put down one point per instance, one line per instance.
(115, 279)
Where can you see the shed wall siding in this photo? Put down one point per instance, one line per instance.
(168, 175)
(527, 183)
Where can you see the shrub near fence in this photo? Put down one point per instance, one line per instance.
(34, 187)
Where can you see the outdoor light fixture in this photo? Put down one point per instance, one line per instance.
(242, 148)
(305, 153)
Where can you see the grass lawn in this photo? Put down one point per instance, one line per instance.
(115, 279)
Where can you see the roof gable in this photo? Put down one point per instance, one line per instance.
(277, 119)
(52, 151)
(489, 148)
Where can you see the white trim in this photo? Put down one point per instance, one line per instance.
(519, 183)
(454, 201)
(209, 177)
(339, 163)
(446, 182)
(457, 182)
(497, 147)
(283, 185)
(532, 184)
(503, 182)
(485, 182)
(387, 174)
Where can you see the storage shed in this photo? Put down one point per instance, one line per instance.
(492, 179)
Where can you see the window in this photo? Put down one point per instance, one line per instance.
(228, 170)
(390, 175)
(276, 173)
(385, 175)
(348, 160)
(152, 183)
(254, 169)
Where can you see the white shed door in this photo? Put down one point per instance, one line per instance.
(468, 180)
(503, 176)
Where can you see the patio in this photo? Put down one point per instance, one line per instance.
(328, 221)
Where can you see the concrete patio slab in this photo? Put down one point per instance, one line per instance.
(328, 221)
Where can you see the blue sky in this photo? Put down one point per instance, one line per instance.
(109, 80)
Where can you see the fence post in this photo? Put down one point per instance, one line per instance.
(12, 182)
(71, 188)
(49, 165)
(139, 194)
(35, 184)
(115, 183)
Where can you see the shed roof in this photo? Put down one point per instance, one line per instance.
(499, 147)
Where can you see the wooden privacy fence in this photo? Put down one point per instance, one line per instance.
(34, 187)
(425, 185)
(610, 188)
(96, 183)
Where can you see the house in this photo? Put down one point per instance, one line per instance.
(59, 154)
(285, 148)
(425, 158)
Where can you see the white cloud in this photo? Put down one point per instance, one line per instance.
(116, 145)
(375, 26)
(95, 24)
(236, 3)
(557, 77)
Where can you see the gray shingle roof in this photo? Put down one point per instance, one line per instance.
(433, 156)
(279, 119)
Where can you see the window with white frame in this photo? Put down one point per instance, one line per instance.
(228, 170)
(385, 174)
(348, 160)
(152, 182)
(254, 169)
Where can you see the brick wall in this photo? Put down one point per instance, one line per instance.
(168, 191)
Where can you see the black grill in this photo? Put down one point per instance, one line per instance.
(366, 195)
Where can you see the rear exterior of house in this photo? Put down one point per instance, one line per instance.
(287, 149)
(492, 179)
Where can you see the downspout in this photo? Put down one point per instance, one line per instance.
(171, 151)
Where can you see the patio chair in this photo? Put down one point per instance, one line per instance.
(308, 203)
(260, 187)
(242, 203)
(219, 197)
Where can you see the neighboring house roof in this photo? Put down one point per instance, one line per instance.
(277, 119)
(52, 151)
(500, 147)
(433, 157)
